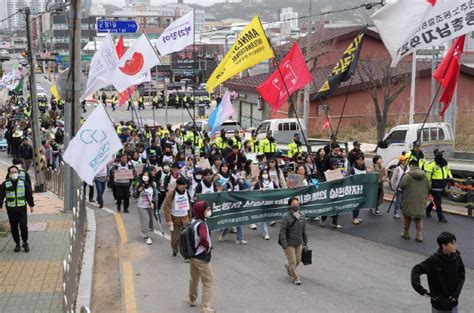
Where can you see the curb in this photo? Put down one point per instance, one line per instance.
(84, 294)
(389, 196)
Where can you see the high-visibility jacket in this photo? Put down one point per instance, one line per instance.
(221, 142)
(293, 148)
(436, 172)
(155, 99)
(140, 100)
(119, 129)
(237, 141)
(185, 99)
(147, 134)
(201, 99)
(411, 156)
(255, 145)
(114, 99)
(266, 146)
(16, 198)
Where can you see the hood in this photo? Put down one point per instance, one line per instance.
(199, 208)
(417, 174)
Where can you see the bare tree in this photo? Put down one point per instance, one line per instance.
(376, 76)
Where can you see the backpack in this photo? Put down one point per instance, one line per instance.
(187, 245)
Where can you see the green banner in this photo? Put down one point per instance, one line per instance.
(231, 209)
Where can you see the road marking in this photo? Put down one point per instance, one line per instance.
(121, 228)
(129, 289)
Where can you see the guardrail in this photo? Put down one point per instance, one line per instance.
(73, 262)
(55, 181)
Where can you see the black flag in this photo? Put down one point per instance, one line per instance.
(344, 68)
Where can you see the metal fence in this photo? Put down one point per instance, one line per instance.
(55, 181)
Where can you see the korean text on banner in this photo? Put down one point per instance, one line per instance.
(178, 35)
(92, 147)
(250, 48)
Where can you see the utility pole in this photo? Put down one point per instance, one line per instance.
(411, 116)
(72, 111)
(40, 177)
(308, 56)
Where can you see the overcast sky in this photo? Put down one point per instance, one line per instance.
(156, 2)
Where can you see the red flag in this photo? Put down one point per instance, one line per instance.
(447, 73)
(326, 125)
(294, 73)
(126, 94)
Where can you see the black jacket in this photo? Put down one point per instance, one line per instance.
(292, 230)
(26, 152)
(28, 194)
(445, 279)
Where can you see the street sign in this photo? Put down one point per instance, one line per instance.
(113, 26)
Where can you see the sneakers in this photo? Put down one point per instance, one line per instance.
(443, 220)
(377, 212)
(26, 247)
(266, 237)
(272, 223)
(148, 241)
(321, 222)
(17, 248)
(419, 239)
(221, 237)
(101, 206)
(297, 282)
(253, 226)
(241, 242)
(356, 221)
(336, 226)
(91, 200)
(126, 211)
(396, 216)
(192, 304)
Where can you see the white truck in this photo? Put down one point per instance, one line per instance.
(434, 136)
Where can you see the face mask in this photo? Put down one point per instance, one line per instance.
(145, 178)
(295, 208)
(14, 176)
(208, 214)
(198, 177)
(265, 176)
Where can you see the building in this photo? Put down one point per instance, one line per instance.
(359, 109)
(289, 19)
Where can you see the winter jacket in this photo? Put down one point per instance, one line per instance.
(292, 230)
(415, 187)
(446, 277)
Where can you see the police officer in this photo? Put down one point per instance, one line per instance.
(221, 141)
(294, 147)
(439, 174)
(21, 172)
(416, 154)
(114, 101)
(17, 194)
(236, 140)
(141, 103)
(268, 145)
(154, 102)
(254, 142)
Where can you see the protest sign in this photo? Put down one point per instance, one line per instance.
(203, 163)
(333, 175)
(294, 180)
(123, 174)
(231, 209)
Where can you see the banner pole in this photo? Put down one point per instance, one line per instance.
(194, 82)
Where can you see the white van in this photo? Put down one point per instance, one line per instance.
(401, 138)
(283, 129)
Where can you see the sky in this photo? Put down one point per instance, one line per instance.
(156, 2)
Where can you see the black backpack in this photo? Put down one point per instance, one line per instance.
(187, 245)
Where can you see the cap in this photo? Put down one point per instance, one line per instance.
(402, 158)
(416, 143)
(437, 152)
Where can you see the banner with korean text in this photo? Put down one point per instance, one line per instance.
(231, 209)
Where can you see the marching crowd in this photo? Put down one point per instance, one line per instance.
(165, 169)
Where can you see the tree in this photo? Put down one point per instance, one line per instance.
(379, 76)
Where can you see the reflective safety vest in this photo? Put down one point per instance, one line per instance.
(155, 99)
(436, 172)
(255, 145)
(267, 147)
(293, 149)
(147, 134)
(201, 99)
(410, 156)
(221, 142)
(237, 142)
(114, 99)
(119, 129)
(15, 197)
(185, 98)
(140, 99)
(22, 175)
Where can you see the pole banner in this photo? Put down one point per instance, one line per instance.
(230, 209)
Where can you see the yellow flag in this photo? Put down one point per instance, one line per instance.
(54, 91)
(250, 48)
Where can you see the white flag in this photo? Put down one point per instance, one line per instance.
(178, 35)
(95, 142)
(398, 20)
(103, 63)
(134, 66)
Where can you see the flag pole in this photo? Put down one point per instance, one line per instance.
(292, 105)
(343, 108)
(195, 81)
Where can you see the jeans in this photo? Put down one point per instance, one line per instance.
(355, 214)
(454, 310)
(398, 201)
(264, 228)
(334, 218)
(240, 232)
(100, 188)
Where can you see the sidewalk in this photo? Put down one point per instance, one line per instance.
(32, 282)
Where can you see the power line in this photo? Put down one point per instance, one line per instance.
(10, 16)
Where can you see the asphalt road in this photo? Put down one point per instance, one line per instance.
(362, 268)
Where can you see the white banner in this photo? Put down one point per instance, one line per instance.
(178, 35)
(447, 20)
(103, 63)
(92, 147)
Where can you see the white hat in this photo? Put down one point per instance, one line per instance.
(18, 133)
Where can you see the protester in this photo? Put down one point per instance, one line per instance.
(265, 183)
(276, 174)
(439, 174)
(292, 237)
(199, 264)
(352, 155)
(147, 195)
(122, 185)
(25, 152)
(99, 182)
(377, 167)
(397, 175)
(358, 168)
(17, 194)
(415, 187)
(177, 211)
(446, 275)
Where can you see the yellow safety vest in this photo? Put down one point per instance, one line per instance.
(293, 149)
(267, 147)
(436, 172)
(221, 142)
(15, 198)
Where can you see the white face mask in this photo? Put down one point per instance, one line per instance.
(265, 176)
(14, 176)
(208, 214)
(198, 177)
(145, 178)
